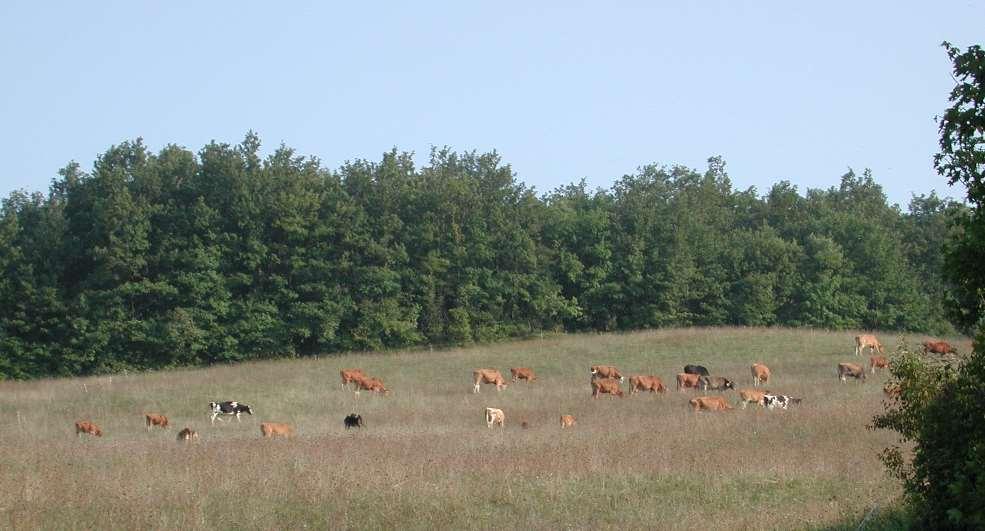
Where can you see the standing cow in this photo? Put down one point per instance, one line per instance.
(488, 376)
(760, 374)
(606, 371)
(495, 416)
(851, 369)
(867, 341)
(602, 386)
(646, 383)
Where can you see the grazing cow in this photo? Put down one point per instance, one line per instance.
(695, 369)
(606, 386)
(751, 396)
(353, 421)
(488, 376)
(269, 429)
(715, 383)
(228, 408)
(567, 421)
(938, 347)
(522, 373)
(153, 419)
(685, 381)
(350, 375)
(187, 434)
(374, 385)
(779, 401)
(867, 341)
(850, 369)
(495, 416)
(85, 426)
(646, 383)
(892, 390)
(711, 403)
(606, 371)
(878, 362)
(760, 374)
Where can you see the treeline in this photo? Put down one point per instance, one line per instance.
(170, 259)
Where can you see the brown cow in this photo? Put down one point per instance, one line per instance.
(938, 347)
(850, 369)
(751, 396)
(711, 403)
(646, 383)
(606, 386)
(153, 419)
(867, 341)
(350, 375)
(374, 385)
(760, 374)
(685, 381)
(606, 371)
(522, 373)
(269, 429)
(495, 416)
(878, 362)
(567, 421)
(187, 434)
(85, 426)
(489, 376)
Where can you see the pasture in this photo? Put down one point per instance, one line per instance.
(425, 458)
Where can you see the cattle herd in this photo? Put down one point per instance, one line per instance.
(605, 379)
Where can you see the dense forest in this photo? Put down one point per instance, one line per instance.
(170, 259)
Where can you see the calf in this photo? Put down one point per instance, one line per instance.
(153, 419)
(353, 421)
(695, 369)
(710, 403)
(567, 421)
(878, 362)
(85, 426)
(495, 416)
(350, 375)
(938, 347)
(867, 341)
(760, 374)
(603, 386)
(751, 396)
(522, 373)
(850, 369)
(229, 408)
(187, 434)
(685, 381)
(489, 376)
(715, 383)
(606, 371)
(270, 429)
(779, 401)
(646, 383)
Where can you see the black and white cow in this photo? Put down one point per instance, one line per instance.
(779, 401)
(715, 383)
(228, 408)
(353, 421)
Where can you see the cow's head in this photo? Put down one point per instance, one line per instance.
(247, 409)
(728, 384)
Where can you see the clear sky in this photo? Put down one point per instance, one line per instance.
(797, 91)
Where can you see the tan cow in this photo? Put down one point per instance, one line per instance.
(685, 381)
(760, 374)
(851, 369)
(350, 375)
(153, 419)
(522, 373)
(85, 426)
(868, 341)
(938, 347)
(270, 429)
(751, 396)
(489, 376)
(878, 362)
(606, 371)
(187, 434)
(374, 385)
(710, 403)
(606, 386)
(567, 421)
(646, 383)
(495, 416)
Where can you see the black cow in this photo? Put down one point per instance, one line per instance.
(228, 408)
(695, 369)
(353, 421)
(715, 383)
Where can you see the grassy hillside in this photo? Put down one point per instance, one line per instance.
(426, 458)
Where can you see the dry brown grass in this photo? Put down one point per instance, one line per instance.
(426, 459)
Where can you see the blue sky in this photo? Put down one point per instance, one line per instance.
(562, 90)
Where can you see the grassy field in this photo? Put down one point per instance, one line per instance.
(426, 459)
